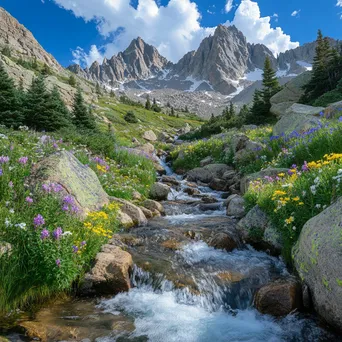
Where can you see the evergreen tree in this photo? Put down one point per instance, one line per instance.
(148, 103)
(257, 114)
(168, 105)
(82, 117)
(6, 51)
(37, 99)
(46, 70)
(186, 110)
(59, 114)
(10, 111)
(98, 89)
(172, 112)
(231, 111)
(112, 94)
(154, 101)
(72, 81)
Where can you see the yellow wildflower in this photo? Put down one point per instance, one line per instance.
(289, 220)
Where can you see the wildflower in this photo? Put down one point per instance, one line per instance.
(28, 199)
(340, 119)
(68, 199)
(57, 233)
(21, 225)
(11, 211)
(318, 206)
(23, 160)
(10, 184)
(58, 263)
(46, 187)
(1, 172)
(301, 203)
(4, 159)
(44, 234)
(281, 174)
(294, 228)
(66, 233)
(296, 199)
(38, 220)
(305, 166)
(313, 189)
(83, 243)
(7, 222)
(75, 249)
(289, 220)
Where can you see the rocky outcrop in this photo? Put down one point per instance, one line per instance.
(333, 111)
(131, 210)
(298, 118)
(159, 191)
(225, 240)
(149, 136)
(21, 41)
(73, 178)
(110, 274)
(279, 298)
(207, 173)
(290, 94)
(154, 206)
(318, 260)
(236, 206)
(243, 148)
(257, 229)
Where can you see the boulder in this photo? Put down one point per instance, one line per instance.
(191, 191)
(207, 173)
(209, 206)
(279, 298)
(147, 148)
(333, 111)
(257, 229)
(291, 93)
(269, 172)
(243, 148)
(218, 184)
(170, 180)
(134, 212)
(225, 241)
(153, 206)
(236, 207)
(150, 136)
(75, 179)
(159, 191)
(206, 161)
(318, 260)
(136, 196)
(298, 118)
(148, 213)
(110, 274)
(125, 220)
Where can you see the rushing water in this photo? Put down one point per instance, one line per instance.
(218, 306)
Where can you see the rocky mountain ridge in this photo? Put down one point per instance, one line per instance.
(224, 62)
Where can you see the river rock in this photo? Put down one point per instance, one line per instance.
(136, 196)
(209, 206)
(218, 184)
(191, 191)
(150, 136)
(269, 172)
(147, 148)
(76, 179)
(236, 207)
(318, 260)
(170, 180)
(279, 298)
(207, 173)
(134, 212)
(243, 148)
(299, 118)
(125, 220)
(225, 241)
(148, 213)
(206, 161)
(159, 191)
(257, 229)
(153, 206)
(110, 274)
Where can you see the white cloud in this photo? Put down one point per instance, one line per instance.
(258, 29)
(229, 6)
(339, 3)
(296, 13)
(174, 29)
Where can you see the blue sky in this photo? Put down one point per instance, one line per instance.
(67, 29)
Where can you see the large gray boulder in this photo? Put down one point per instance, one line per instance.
(269, 172)
(159, 191)
(290, 94)
(299, 118)
(150, 136)
(257, 229)
(334, 110)
(207, 173)
(236, 207)
(318, 260)
(74, 179)
(130, 210)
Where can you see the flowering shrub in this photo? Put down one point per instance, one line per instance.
(44, 245)
(292, 199)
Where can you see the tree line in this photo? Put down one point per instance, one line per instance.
(38, 108)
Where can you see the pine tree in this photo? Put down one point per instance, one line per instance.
(168, 105)
(10, 111)
(270, 84)
(82, 117)
(148, 103)
(112, 94)
(257, 113)
(37, 115)
(172, 112)
(72, 80)
(46, 70)
(98, 89)
(231, 112)
(186, 110)
(154, 101)
(59, 114)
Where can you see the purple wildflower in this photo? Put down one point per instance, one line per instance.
(1, 172)
(65, 207)
(57, 233)
(28, 199)
(23, 160)
(75, 249)
(83, 243)
(56, 187)
(58, 262)
(44, 234)
(10, 184)
(68, 200)
(4, 159)
(46, 188)
(38, 220)
(340, 119)
(294, 166)
(305, 166)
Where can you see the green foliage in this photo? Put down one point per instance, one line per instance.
(72, 81)
(130, 117)
(112, 94)
(46, 71)
(154, 106)
(260, 111)
(6, 51)
(28, 64)
(82, 117)
(98, 89)
(10, 114)
(330, 97)
(148, 103)
(326, 72)
(125, 100)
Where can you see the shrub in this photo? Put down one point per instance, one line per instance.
(131, 117)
